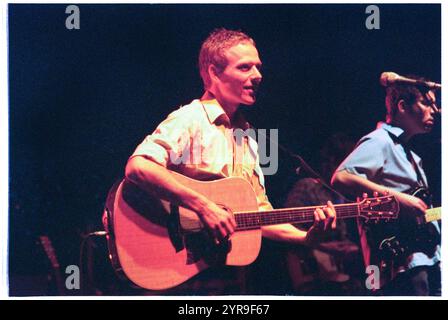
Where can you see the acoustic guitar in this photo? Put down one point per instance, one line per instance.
(158, 245)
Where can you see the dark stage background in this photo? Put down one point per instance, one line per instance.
(81, 100)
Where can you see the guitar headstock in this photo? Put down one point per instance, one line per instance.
(378, 207)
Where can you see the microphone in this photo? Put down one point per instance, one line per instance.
(390, 78)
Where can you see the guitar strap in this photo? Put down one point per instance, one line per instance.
(426, 196)
(411, 159)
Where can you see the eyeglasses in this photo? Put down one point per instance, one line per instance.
(430, 101)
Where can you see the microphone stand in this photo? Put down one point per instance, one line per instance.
(303, 164)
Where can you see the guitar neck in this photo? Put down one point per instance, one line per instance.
(256, 219)
(433, 214)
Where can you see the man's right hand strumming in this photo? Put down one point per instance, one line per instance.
(157, 180)
(411, 204)
(218, 222)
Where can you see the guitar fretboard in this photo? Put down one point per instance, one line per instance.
(253, 220)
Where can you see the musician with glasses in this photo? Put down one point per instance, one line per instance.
(383, 162)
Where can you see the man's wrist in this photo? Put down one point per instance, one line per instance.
(196, 202)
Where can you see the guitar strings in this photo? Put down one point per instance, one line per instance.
(259, 218)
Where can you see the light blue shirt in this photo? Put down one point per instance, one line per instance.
(381, 158)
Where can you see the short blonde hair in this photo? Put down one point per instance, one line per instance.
(214, 47)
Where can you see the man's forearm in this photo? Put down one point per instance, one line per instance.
(354, 185)
(157, 180)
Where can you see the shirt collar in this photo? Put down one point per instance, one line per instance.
(217, 115)
(213, 110)
(396, 131)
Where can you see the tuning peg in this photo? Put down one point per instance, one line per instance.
(375, 194)
(364, 195)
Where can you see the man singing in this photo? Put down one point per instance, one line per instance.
(229, 66)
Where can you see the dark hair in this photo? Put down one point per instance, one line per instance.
(407, 92)
(214, 47)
